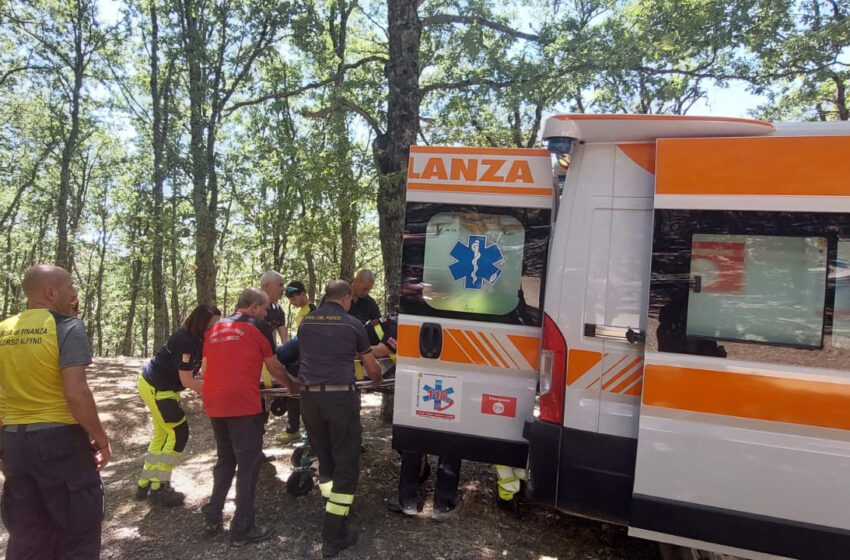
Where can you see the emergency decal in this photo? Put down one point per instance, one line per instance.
(476, 262)
(437, 396)
(498, 406)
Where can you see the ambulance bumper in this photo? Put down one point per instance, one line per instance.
(579, 472)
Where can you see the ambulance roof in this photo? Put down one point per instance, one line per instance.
(648, 128)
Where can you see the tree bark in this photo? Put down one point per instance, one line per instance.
(70, 146)
(392, 150)
(126, 348)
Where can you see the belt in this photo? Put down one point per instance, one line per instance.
(328, 387)
(34, 427)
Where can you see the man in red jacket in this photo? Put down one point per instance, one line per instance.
(235, 350)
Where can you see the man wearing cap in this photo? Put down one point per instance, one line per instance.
(330, 339)
(296, 293)
(52, 439)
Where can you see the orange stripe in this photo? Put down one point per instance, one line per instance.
(635, 390)
(453, 350)
(536, 152)
(641, 154)
(479, 189)
(461, 338)
(579, 363)
(408, 341)
(777, 399)
(643, 117)
(628, 381)
(506, 353)
(620, 361)
(799, 166)
(480, 347)
(620, 373)
(492, 349)
(529, 347)
(593, 383)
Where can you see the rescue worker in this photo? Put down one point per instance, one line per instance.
(296, 293)
(412, 473)
(508, 484)
(52, 439)
(363, 306)
(161, 381)
(271, 282)
(329, 341)
(235, 349)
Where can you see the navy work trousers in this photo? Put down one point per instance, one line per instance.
(445, 489)
(239, 445)
(52, 501)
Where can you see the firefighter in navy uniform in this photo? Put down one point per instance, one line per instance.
(329, 341)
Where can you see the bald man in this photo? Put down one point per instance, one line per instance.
(363, 306)
(52, 439)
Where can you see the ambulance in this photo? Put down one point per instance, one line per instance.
(659, 330)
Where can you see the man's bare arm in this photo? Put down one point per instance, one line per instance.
(372, 367)
(283, 333)
(84, 410)
(187, 378)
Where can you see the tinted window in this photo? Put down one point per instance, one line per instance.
(474, 262)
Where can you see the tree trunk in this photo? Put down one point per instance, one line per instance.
(126, 348)
(70, 146)
(160, 308)
(392, 149)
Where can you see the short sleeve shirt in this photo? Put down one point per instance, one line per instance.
(365, 309)
(329, 340)
(35, 346)
(275, 317)
(235, 349)
(181, 352)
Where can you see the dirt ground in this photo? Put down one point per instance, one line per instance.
(136, 530)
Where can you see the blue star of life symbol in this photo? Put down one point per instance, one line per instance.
(476, 262)
(438, 395)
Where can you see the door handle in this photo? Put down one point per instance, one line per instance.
(430, 340)
(624, 334)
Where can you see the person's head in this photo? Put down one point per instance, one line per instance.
(49, 287)
(296, 293)
(363, 283)
(253, 302)
(271, 282)
(339, 291)
(200, 319)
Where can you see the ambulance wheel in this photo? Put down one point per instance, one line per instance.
(298, 456)
(300, 482)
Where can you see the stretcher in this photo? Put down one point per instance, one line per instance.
(302, 479)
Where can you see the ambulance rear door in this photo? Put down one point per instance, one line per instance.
(744, 429)
(476, 240)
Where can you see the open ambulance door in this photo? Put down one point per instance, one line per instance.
(744, 430)
(476, 240)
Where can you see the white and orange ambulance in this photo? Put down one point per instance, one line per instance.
(677, 304)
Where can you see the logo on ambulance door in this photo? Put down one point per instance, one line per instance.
(476, 262)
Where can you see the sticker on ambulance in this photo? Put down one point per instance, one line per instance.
(437, 396)
(498, 406)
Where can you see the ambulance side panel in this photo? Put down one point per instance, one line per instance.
(597, 291)
(744, 431)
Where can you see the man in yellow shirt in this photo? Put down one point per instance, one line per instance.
(52, 440)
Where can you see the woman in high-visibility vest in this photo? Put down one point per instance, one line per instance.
(162, 380)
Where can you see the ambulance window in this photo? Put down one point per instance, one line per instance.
(480, 263)
(840, 276)
(758, 288)
(473, 262)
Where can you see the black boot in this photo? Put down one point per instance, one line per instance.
(337, 535)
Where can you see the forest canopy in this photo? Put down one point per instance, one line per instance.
(167, 152)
